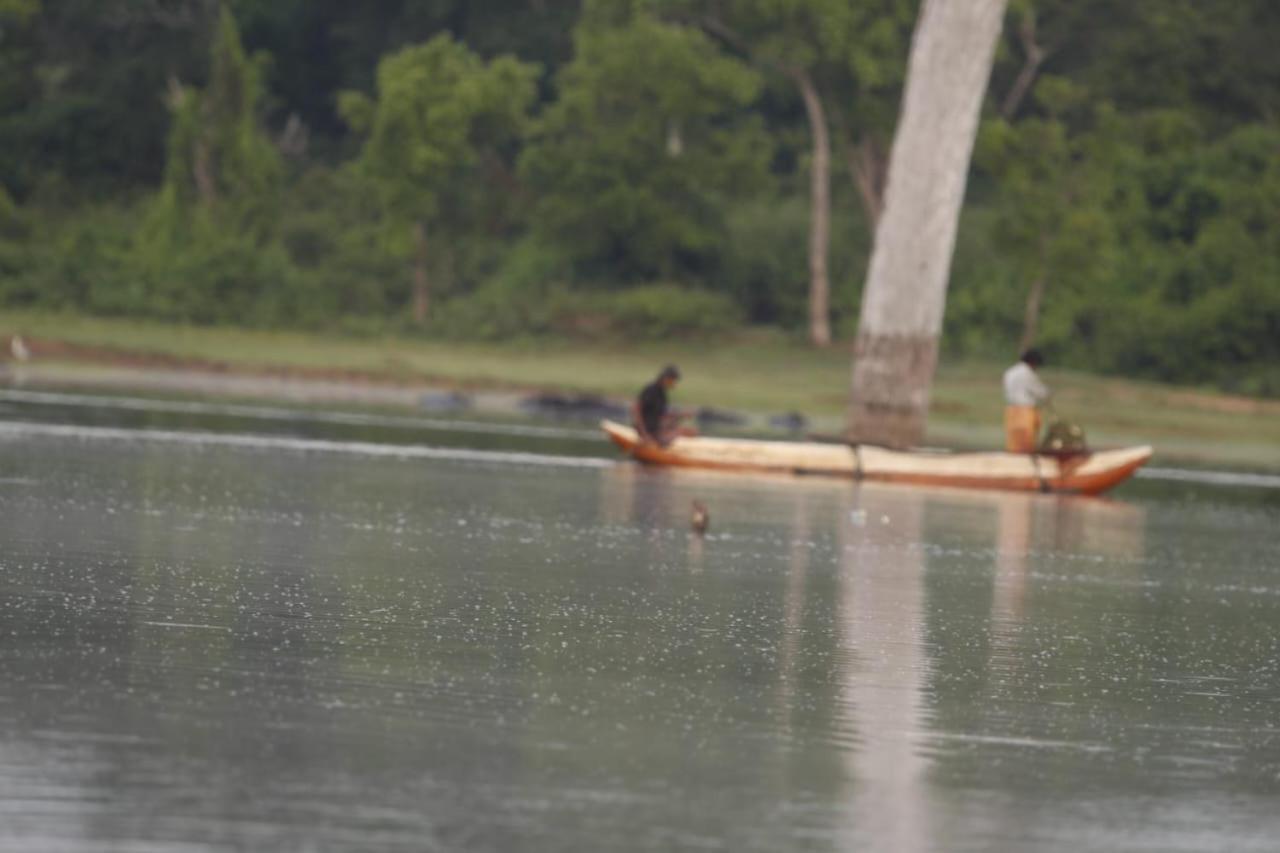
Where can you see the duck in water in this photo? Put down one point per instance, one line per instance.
(701, 518)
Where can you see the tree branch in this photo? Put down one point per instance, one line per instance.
(1035, 55)
(723, 33)
(868, 168)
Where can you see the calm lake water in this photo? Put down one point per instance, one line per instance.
(302, 637)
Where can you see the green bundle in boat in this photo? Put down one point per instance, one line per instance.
(1063, 437)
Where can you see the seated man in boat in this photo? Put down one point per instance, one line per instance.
(1024, 393)
(651, 414)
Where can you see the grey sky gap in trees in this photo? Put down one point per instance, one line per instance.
(896, 351)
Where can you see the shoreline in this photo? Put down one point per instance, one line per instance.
(755, 379)
(70, 383)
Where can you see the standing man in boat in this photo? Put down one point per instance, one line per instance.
(651, 414)
(1024, 393)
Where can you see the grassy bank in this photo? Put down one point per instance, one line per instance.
(757, 372)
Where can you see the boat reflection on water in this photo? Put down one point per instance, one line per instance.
(894, 621)
(929, 595)
(1031, 525)
(220, 644)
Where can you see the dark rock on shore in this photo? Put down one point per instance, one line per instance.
(708, 417)
(789, 421)
(444, 401)
(574, 407)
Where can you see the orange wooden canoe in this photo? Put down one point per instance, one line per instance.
(1086, 473)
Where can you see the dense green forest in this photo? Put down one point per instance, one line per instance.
(638, 168)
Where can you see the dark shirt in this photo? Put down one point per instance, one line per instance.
(653, 407)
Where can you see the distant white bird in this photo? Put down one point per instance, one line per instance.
(18, 348)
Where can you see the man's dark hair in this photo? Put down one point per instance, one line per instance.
(1032, 357)
(670, 372)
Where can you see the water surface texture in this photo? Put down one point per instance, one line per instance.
(229, 642)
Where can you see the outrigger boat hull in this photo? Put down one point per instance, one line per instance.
(1087, 473)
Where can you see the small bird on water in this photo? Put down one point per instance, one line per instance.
(701, 519)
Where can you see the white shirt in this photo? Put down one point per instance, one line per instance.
(1022, 387)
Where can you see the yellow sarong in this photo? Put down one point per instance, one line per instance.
(1021, 428)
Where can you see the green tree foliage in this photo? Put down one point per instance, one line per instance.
(322, 47)
(219, 160)
(1116, 187)
(1204, 277)
(1053, 226)
(648, 140)
(853, 51)
(843, 63)
(444, 121)
(204, 249)
(81, 92)
(14, 237)
(18, 10)
(1156, 244)
(629, 166)
(209, 248)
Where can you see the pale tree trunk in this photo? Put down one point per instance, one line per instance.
(896, 351)
(867, 169)
(1031, 320)
(819, 182)
(421, 291)
(1035, 297)
(819, 211)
